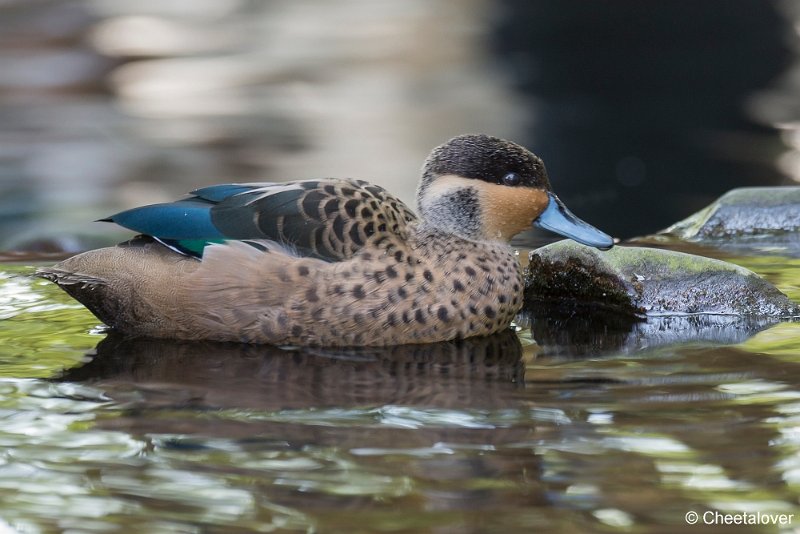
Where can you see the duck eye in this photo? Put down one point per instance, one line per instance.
(511, 178)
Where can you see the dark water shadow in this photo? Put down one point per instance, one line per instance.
(645, 108)
(474, 372)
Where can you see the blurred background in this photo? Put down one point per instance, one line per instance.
(643, 111)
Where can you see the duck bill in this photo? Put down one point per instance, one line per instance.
(557, 218)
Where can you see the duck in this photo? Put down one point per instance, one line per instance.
(330, 262)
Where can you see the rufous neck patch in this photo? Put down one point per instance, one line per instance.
(504, 211)
(507, 211)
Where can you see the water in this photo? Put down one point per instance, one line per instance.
(105, 434)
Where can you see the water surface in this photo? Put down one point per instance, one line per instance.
(105, 434)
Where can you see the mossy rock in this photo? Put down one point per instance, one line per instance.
(648, 282)
(743, 213)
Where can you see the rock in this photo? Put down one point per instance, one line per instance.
(647, 282)
(744, 213)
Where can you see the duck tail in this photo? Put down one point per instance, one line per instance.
(64, 278)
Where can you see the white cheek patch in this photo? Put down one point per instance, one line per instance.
(447, 183)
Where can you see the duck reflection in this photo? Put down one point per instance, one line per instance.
(471, 372)
(303, 401)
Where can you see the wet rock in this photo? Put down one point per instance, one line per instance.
(637, 281)
(744, 213)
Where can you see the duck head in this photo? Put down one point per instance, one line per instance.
(485, 188)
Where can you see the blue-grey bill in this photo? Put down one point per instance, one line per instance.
(557, 218)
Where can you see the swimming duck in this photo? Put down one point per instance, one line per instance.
(330, 262)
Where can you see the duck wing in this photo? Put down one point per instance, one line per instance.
(329, 219)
